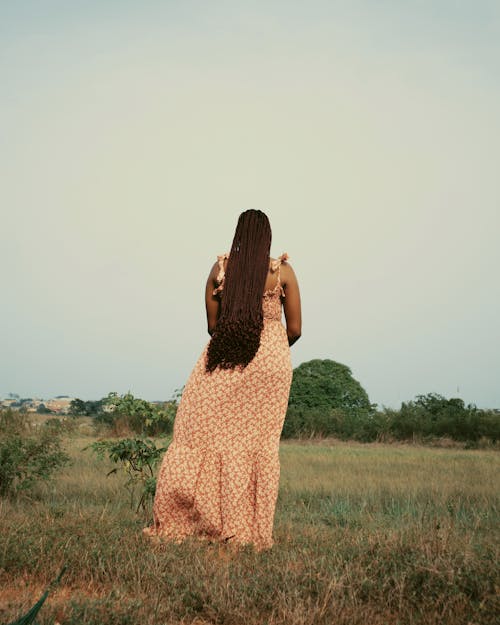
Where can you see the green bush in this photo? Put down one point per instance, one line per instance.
(305, 423)
(427, 417)
(432, 415)
(26, 455)
(126, 412)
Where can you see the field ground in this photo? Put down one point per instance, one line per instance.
(367, 534)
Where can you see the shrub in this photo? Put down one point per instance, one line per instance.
(432, 415)
(426, 418)
(128, 413)
(26, 456)
(305, 423)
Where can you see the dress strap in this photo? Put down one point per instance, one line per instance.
(276, 265)
(221, 275)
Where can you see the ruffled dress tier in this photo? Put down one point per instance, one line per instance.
(219, 477)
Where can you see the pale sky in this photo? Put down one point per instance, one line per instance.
(134, 133)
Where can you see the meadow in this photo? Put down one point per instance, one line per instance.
(372, 534)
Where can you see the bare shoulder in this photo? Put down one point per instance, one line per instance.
(287, 272)
(215, 268)
(212, 281)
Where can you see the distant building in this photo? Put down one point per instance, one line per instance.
(7, 403)
(60, 405)
(32, 406)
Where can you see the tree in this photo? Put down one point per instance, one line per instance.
(434, 415)
(90, 408)
(326, 400)
(77, 407)
(325, 385)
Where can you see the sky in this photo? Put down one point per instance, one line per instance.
(133, 134)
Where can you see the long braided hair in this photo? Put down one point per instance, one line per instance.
(236, 338)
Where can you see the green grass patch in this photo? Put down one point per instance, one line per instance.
(378, 534)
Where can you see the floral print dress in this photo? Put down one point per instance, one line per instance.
(219, 477)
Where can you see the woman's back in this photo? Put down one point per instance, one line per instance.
(281, 287)
(219, 477)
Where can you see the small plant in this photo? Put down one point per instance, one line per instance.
(137, 458)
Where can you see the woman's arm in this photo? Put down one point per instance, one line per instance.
(291, 304)
(212, 302)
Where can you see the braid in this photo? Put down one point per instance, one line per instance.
(236, 338)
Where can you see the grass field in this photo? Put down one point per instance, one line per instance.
(371, 534)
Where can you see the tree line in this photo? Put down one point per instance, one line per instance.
(325, 400)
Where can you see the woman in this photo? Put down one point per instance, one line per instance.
(219, 477)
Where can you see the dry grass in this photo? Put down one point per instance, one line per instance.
(373, 534)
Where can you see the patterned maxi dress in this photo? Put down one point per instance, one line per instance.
(219, 477)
